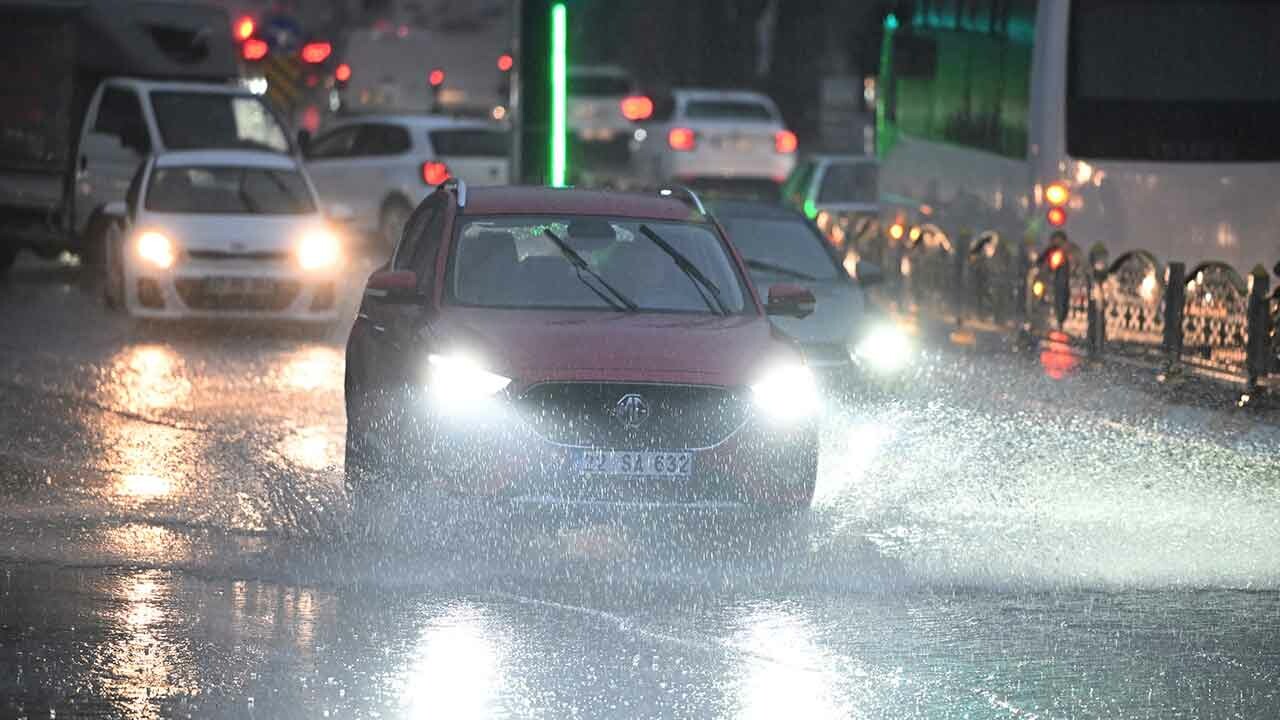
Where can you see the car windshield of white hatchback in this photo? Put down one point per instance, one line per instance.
(593, 263)
(728, 110)
(228, 191)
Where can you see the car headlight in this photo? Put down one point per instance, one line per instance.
(886, 348)
(458, 379)
(156, 249)
(787, 393)
(318, 249)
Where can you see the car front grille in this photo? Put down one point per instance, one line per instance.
(607, 415)
(223, 255)
(260, 295)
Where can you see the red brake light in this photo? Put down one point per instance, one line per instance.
(1057, 258)
(342, 73)
(254, 49)
(637, 107)
(784, 141)
(434, 173)
(506, 62)
(243, 29)
(1057, 217)
(316, 52)
(436, 77)
(682, 139)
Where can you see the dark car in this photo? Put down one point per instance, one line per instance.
(781, 246)
(570, 345)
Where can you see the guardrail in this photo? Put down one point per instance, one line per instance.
(1208, 320)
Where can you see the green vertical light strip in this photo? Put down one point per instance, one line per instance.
(559, 39)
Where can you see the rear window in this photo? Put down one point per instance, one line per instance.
(598, 85)
(470, 143)
(228, 191)
(728, 110)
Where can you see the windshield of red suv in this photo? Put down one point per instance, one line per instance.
(513, 262)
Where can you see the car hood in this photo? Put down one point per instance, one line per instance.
(232, 233)
(536, 346)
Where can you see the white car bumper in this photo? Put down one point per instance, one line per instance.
(233, 289)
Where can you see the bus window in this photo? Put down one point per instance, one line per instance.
(1198, 82)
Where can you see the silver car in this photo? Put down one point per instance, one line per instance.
(846, 331)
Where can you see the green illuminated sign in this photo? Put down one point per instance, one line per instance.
(559, 40)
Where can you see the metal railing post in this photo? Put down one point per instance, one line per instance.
(1175, 300)
(1096, 329)
(1258, 339)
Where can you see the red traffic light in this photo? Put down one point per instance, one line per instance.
(342, 73)
(434, 173)
(254, 49)
(637, 107)
(316, 52)
(1057, 258)
(243, 28)
(506, 62)
(436, 77)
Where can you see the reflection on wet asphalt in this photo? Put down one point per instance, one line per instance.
(991, 543)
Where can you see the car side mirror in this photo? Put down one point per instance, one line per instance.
(340, 213)
(868, 273)
(304, 142)
(116, 210)
(790, 301)
(394, 286)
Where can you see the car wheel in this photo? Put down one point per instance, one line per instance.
(395, 213)
(113, 269)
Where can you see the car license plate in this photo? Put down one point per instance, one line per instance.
(238, 286)
(653, 463)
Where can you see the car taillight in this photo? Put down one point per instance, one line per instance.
(243, 29)
(784, 141)
(682, 139)
(637, 107)
(1057, 194)
(434, 173)
(1057, 217)
(314, 53)
(1057, 258)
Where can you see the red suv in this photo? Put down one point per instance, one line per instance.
(569, 345)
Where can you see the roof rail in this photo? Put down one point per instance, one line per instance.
(687, 193)
(459, 187)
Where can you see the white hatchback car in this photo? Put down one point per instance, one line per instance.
(717, 138)
(382, 166)
(226, 234)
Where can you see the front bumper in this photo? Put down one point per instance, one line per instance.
(491, 449)
(232, 289)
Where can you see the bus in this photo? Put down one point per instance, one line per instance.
(1148, 125)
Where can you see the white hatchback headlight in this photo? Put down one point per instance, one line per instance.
(156, 249)
(458, 379)
(787, 393)
(318, 249)
(886, 348)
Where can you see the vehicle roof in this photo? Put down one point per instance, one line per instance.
(229, 158)
(751, 209)
(529, 200)
(419, 121)
(176, 85)
(599, 70)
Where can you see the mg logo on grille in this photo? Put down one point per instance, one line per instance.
(631, 410)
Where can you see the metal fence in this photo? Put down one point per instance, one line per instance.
(1209, 319)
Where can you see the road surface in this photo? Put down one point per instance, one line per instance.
(1007, 539)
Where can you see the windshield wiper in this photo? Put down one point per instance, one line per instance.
(704, 286)
(779, 269)
(580, 266)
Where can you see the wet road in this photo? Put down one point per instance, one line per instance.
(995, 543)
